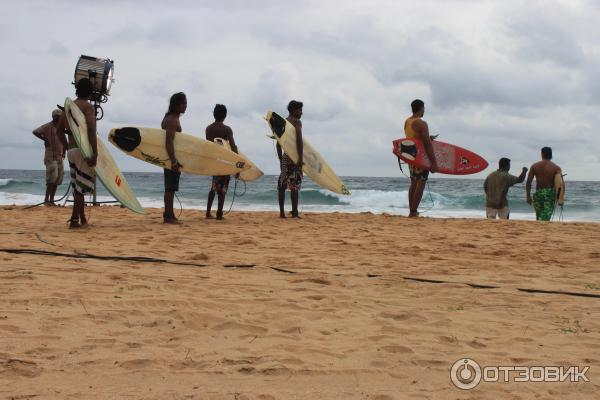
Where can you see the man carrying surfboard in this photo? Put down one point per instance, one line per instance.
(545, 196)
(220, 184)
(496, 187)
(291, 173)
(83, 174)
(415, 127)
(171, 124)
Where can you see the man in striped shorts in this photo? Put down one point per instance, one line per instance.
(83, 174)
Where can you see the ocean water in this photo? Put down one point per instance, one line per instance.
(442, 198)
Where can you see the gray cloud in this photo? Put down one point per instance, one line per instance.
(500, 78)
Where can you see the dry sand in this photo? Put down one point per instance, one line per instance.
(346, 324)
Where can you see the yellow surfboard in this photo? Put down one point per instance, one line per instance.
(251, 174)
(314, 165)
(559, 186)
(198, 156)
(106, 167)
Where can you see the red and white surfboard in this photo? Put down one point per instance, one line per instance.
(450, 159)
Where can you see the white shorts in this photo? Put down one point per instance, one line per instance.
(54, 172)
(502, 213)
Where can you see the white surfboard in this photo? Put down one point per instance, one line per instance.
(251, 174)
(198, 156)
(106, 168)
(314, 165)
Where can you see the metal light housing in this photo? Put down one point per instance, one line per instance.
(100, 71)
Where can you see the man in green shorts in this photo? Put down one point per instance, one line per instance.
(544, 198)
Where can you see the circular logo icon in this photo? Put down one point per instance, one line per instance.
(465, 374)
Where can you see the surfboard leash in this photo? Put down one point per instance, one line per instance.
(400, 162)
(234, 194)
(56, 201)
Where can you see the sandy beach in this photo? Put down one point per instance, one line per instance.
(332, 306)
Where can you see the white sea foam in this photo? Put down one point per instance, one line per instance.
(6, 181)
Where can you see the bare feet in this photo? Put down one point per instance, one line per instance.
(209, 216)
(413, 214)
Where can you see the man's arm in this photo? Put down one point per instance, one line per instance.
(171, 128)
(530, 177)
(39, 133)
(60, 132)
(231, 141)
(90, 120)
(485, 184)
(299, 144)
(424, 133)
(521, 177)
(279, 151)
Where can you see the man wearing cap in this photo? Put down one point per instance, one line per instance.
(53, 156)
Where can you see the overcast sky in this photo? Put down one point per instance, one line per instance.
(502, 78)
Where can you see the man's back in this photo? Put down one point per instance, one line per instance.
(218, 130)
(544, 172)
(496, 188)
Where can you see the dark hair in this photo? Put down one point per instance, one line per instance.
(294, 105)
(176, 100)
(417, 105)
(504, 163)
(84, 88)
(220, 112)
(546, 153)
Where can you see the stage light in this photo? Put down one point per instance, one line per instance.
(100, 72)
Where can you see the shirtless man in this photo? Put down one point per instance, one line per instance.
(291, 173)
(415, 127)
(220, 184)
(171, 124)
(53, 156)
(544, 198)
(83, 174)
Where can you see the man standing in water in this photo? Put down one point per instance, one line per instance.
(171, 124)
(83, 174)
(496, 187)
(53, 156)
(415, 127)
(291, 173)
(544, 198)
(220, 184)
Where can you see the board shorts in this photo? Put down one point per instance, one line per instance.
(171, 180)
(544, 201)
(417, 174)
(220, 184)
(54, 172)
(291, 176)
(83, 177)
(501, 213)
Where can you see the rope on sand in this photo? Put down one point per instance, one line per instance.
(85, 255)
(478, 286)
(158, 260)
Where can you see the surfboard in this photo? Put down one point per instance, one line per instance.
(451, 159)
(559, 186)
(106, 168)
(314, 165)
(198, 156)
(251, 174)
